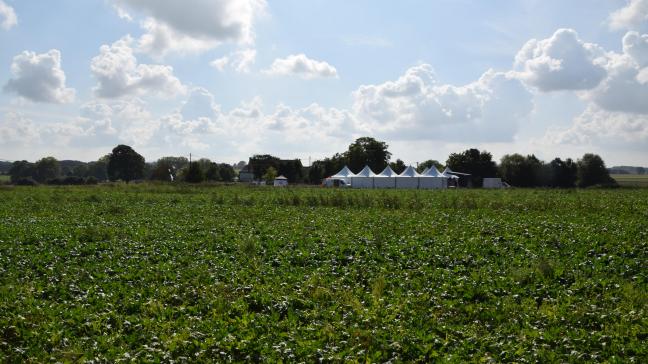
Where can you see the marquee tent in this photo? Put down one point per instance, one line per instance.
(386, 179)
(408, 179)
(448, 173)
(363, 179)
(345, 174)
(431, 178)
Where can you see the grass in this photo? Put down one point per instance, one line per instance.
(162, 273)
(631, 180)
(4, 178)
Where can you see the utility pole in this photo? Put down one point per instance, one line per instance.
(189, 158)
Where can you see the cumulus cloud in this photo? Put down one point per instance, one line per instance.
(241, 60)
(625, 88)
(39, 78)
(8, 18)
(302, 66)
(118, 73)
(416, 106)
(16, 129)
(562, 62)
(633, 16)
(195, 25)
(602, 127)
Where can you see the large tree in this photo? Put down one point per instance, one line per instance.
(21, 169)
(195, 173)
(398, 166)
(563, 173)
(521, 171)
(125, 164)
(367, 151)
(592, 171)
(46, 168)
(478, 164)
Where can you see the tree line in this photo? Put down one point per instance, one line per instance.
(124, 164)
(515, 169)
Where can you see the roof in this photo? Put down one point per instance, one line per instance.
(345, 172)
(365, 172)
(387, 172)
(432, 172)
(409, 172)
(281, 177)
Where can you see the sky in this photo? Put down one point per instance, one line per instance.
(226, 79)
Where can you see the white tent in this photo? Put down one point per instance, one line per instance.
(363, 179)
(431, 178)
(386, 179)
(281, 181)
(345, 174)
(408, 179)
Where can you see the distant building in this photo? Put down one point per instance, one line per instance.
(281, 181)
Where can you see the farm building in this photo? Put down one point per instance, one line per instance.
(409, 179)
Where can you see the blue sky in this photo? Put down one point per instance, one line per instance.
(229, 78)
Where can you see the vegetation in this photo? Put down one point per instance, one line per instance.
(161, 273)
(631, 180)
(125, 164)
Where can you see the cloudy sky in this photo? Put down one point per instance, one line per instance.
(225, 79)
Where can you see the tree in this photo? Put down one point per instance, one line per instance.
(99, 169)
(212, 173)
(592, 171)
(398, 166)
(316, 172)
(226, 172)
(20, 170)
(270, 175)
(125, 163)
(563, 173)
(428, 164)
(194, 173)
(521, 171)
(46, 168)
(478, 164)
(367, 151)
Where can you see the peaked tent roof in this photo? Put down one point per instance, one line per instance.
(365, 172)
(387, 172)
(432, 172)
(344, 173)
(409, 172)
(426, 170)
(281, 177)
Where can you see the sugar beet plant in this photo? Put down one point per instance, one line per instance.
(161, 273)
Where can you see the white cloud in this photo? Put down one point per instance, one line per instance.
(562, 62)
(18, 130)
(241, 60)
(416, 106)
(625, 88)
(119, 74)
(633, 16)
(302, 66)
(39, 78)
(8, 18)
(596, 126)
(160, 39)
(195, 25)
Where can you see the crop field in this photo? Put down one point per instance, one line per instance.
(631, 180)
(159, 273)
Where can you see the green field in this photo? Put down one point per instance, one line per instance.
(4, 178)
(162, 273)
(631, 180)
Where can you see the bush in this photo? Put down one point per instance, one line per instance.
(26, 181)
(54, 181)
(73, 180)
(91, 180)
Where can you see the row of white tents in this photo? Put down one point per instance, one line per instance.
(430, 178)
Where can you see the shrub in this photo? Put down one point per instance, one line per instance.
(73, 180)
(91, 180)
(26, 181)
